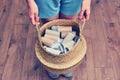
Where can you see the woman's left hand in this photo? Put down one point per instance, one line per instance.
(85, 10)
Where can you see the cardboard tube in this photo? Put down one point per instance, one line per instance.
(55, 38)
(53, 51)
(69, 37)
(58, 46)
(63, 34)
(46, 41)
(65, 28)
(69, 44)
(52, 32)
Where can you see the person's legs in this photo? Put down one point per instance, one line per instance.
(68, 75)
(53, 75)
(48, 9)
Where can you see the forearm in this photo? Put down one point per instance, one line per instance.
(87, 1)
(29, 2)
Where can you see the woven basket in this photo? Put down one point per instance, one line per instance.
(62, 63)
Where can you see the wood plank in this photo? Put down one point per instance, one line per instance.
(7, 28)
(117, 9)
(22, 16)
(41, 73)
(4, 14)
(89, 55)
(98, 37)
(98, 74)
(77, 73)
(113, 48)
(0, 76)
(113, 37)
(28, 72)
(108, 74)
(2, 7)
(10, 63)
(83, 68)
(111, 26)
(19, 37)
(81, 72)
(104, 74)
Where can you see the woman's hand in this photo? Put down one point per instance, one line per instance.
(33, 12)
(85, 10)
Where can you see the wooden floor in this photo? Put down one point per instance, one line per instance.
(18, 36)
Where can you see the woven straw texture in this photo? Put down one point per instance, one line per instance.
(63, 63)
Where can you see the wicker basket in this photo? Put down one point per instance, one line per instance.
(62, 63)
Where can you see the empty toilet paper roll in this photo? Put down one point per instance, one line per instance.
(65, 28)
(46, 41)
(58, 46)
(52, 32)
(68, 38)
(60, 40)
(63, 34)
(53, 37)
(69, 44)
(53, 51)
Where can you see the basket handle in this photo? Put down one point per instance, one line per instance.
(81, 25)
(38, 24)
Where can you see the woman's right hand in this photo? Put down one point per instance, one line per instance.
(85, 10)
(33, 12)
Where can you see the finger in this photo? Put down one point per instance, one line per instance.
(83, 19)
(36, 18)
(32, 19)
(81, 14)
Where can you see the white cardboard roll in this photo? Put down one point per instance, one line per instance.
(58, 46)
(51, 50)
(68, 38)
(47, 41)
(52, 32)
(63, 34)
